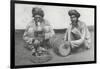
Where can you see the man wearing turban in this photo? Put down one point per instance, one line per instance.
(38, 30)
(77, 34)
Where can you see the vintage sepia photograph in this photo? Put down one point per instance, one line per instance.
(47, 33)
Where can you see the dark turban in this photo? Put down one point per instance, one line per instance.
(37, 11)
(74, 12)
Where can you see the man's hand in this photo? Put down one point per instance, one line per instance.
(64, 38)
(47, 35)
(36, 42)
(76, 32)
(74, 44)
(29, 40)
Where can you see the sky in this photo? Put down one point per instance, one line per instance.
(56, 15)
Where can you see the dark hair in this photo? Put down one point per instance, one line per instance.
(74, 12)
(37, 11)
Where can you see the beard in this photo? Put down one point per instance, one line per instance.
(38, 21)
(74, 23)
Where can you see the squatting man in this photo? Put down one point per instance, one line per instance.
(38, 32)
(77, 34)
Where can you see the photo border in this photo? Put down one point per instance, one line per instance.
(12, 33)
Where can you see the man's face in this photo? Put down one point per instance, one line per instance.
(37, 18)
(73, 18)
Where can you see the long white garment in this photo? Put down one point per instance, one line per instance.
(78, 35)
(31, 28)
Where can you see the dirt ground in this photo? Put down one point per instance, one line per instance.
(22, 55)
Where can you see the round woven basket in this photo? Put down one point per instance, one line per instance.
(41, 59)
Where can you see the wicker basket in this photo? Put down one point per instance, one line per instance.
(41, 59)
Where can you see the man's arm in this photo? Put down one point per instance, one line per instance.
(67, 34)
(76, 43)
(26, 35)
(49, 32)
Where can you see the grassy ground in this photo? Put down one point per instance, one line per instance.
(22, 55)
